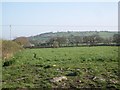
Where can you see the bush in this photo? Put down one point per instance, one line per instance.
(9, 48)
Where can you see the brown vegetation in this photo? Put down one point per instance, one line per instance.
(9, 48)
(22, 41)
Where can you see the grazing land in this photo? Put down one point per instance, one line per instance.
(80, 67)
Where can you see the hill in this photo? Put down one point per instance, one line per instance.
(46, 36)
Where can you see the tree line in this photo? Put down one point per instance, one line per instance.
(92, 40)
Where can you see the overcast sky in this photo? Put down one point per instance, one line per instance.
(30, 18)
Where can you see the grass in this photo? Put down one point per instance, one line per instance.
(94, 67)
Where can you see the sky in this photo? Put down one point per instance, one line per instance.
(32, 18)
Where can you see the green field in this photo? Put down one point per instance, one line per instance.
(84, 67)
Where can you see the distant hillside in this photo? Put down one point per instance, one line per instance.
(46, 36)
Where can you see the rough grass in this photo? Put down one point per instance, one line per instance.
(84, 67)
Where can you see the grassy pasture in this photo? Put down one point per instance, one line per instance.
(84, 67)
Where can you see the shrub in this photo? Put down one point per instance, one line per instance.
(9, 48)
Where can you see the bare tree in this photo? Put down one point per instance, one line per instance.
(23, 41)
(61, 40)
(55, 44)
(78, 40)
(116, 38)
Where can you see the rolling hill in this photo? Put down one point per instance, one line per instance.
(46, 36)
